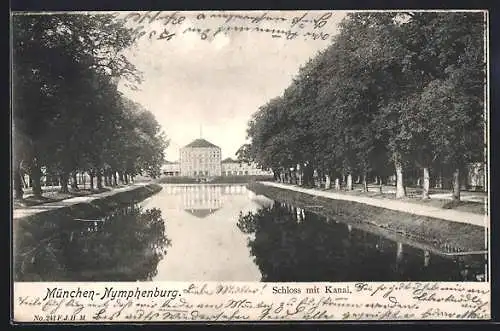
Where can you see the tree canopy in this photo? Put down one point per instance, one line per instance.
(392, 93)
(68, 115)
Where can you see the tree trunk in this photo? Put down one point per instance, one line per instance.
(337, 184)
(18, 183)
(426, 184)
(400, 189)
(456, 185)
(91, 176)
(349, 182)
(308, 176)
(328, 182)
(106, 182)
(35, 175)
(115, 182)
(439, 180)
(82, 179)
(464, 180)
(380, 185)
(64, 178)
(120, 175)
(74, 181)
(317, 179)
(358, 180)
(125, 177)
(365, 184)
(99, 180)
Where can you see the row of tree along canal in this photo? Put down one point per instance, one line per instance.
(395, 93)
(69, 116)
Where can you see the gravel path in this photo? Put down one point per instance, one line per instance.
(32, 210)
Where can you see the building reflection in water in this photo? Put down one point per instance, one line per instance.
(291, 244)
(203, 200)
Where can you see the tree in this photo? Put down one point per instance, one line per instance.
(393, 88)
(267, 133)
(52, 55)
(68, 113)
(245, 153)
(441, 50)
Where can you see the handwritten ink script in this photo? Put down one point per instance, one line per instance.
(317, 25)
(162, 301)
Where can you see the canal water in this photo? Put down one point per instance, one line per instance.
(220, 233)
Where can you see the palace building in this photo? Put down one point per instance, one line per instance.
(232, 167)
(202, 159)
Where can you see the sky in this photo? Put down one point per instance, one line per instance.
(210, 88)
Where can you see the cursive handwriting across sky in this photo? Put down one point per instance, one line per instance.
(217, 83)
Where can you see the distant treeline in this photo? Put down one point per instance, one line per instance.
(394, 94)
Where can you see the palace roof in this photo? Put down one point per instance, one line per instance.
(201, 213)
(201, 143)
(229, 160)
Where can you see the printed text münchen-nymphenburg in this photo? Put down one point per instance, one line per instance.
(110, 293)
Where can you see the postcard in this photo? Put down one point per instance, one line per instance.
(250, 166)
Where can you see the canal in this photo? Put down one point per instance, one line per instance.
(221, 233)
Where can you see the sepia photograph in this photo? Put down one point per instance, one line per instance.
(250, 146)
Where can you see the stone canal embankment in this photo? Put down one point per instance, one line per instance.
(446, 232)
(89, 206)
